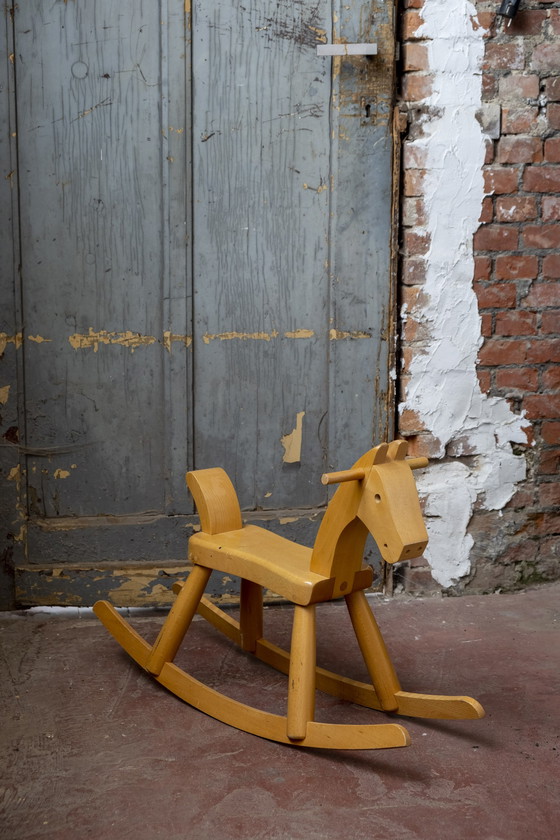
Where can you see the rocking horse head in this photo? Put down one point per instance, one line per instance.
(385, 499)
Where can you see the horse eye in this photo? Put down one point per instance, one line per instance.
(377, 498)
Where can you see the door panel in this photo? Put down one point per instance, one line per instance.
(204, 219)
(292, 211)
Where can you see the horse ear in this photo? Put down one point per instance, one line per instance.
(380, 453)
(397, 450)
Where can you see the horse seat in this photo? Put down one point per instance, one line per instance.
(271, 561)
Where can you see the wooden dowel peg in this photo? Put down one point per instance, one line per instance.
(417, 463)
(343, 475)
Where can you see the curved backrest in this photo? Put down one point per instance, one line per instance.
(215, 499)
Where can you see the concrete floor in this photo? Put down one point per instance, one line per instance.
(92, 747)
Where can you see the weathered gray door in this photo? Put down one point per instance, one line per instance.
(203, 213)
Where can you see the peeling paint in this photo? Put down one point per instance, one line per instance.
(15, 474)
(61, 473)
(169, 338)
(229, 336)
(292, 441)
(338, 335)
(443, 388)
(6, 339)
(300, 334)
(320, 34)
(286, 520)
(38, 339)
(4, 394)
(321, 188)
(93, 338)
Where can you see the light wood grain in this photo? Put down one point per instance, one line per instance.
(177, 622)
(273, 727)
(301, 679)
(250, 614)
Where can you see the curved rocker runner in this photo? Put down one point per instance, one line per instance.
(378, 496)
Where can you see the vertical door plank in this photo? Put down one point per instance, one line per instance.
(100, 198)
(361, 293)
(261, 209)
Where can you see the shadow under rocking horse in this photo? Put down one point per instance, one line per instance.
(378, 495)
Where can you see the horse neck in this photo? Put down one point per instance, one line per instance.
(341, 536)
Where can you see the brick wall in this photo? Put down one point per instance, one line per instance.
(516, 272)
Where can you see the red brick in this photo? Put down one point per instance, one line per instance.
(501, 181)
(482, 268)
(541, 236)
(424, 445)
(523, 498)
(551, 266)
(489, 153)
(519, 120)
(414, 156)
(416, 244)
(552, 150)
(407, 355)
(546, 57)
(497, 351)
(527, 22)
(549, 494)
(415, 57)
(550, 322)
(551, 378)
(550, 433)
(484, 380)
(541, 295)
(519, 87)
(509, 56)
(549, 462)
(410, 423)
(413, 330)
(414, 271)
(413, 297)
(543, 351)
(411, 21)
(486, 20)
(545, 179)
(520, 379)
(487, 211)
(516, 268)
(555, 21)
(516, 208)
(413, 212)
(518, 149)
(551, 208)
(496, 238)
(553, 89)
(548, 522)
(516, 323)
(542, 406)
(486, 324)
(413, 181)
(416, 87)
(403, 384)
(489, 86)
(553, 114)
(496, 295)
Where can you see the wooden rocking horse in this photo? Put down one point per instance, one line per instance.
(378, 495)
